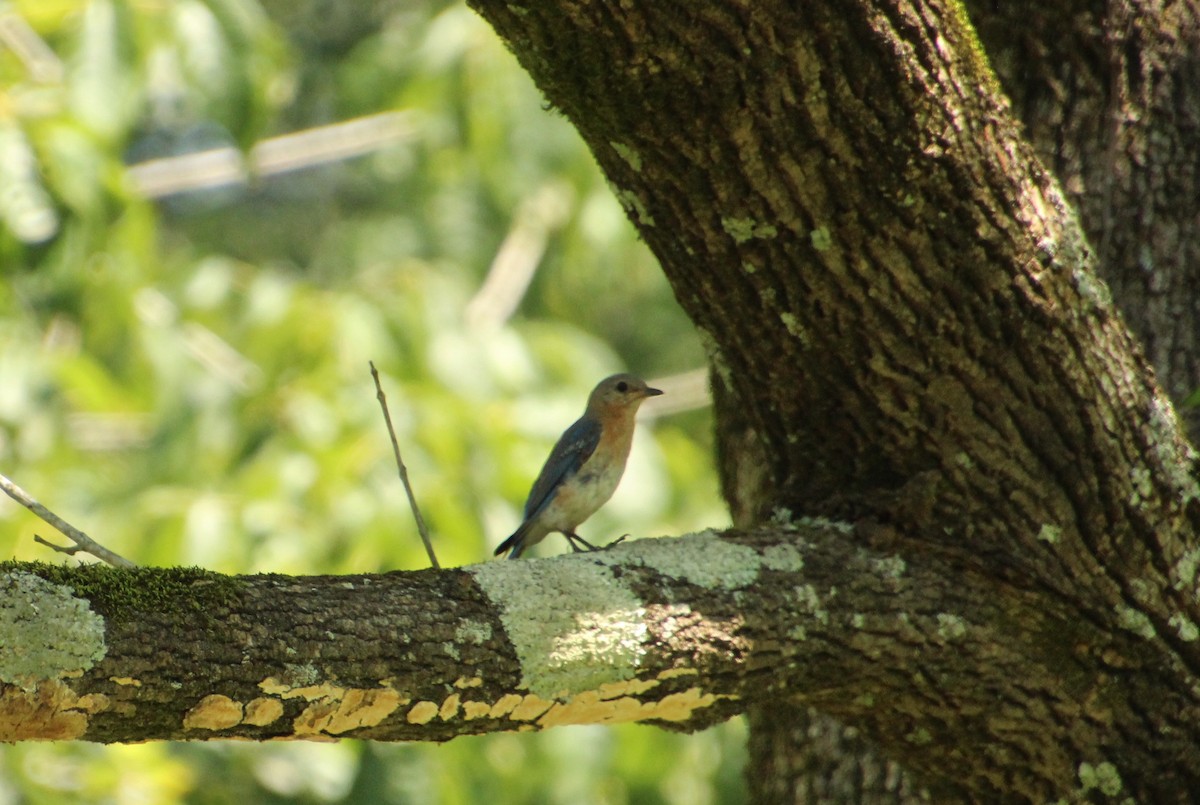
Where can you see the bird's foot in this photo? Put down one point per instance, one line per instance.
(572, 538)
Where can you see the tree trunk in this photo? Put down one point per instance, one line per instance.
(800, 755)
(1110, 98)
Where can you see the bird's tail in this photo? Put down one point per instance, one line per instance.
(515, 544)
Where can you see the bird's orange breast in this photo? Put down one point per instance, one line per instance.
(592, 485)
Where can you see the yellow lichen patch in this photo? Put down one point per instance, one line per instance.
(213, 712)
(125, 680)
(462, 682)
(629, 687)
(449, 708)
(679, 706)
(588, 708)
(473, 710)
(92, 703)
(505, 706)
(335, 709)
(262, 711)
(273, 687)
(309, 693)
(422, 713)
(531, 707)
(314, 719)
(356, 708)
(591, 708)
(671, 673)
(50, 711)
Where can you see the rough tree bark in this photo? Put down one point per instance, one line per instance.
(1110, 98)
(1109, 95)
(907, 338)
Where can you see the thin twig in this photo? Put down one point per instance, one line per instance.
(412, 500)
(82, 541)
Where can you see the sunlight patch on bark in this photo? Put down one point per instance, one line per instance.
(572, 622)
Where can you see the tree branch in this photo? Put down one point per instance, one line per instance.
(82, 541)
(683, 632)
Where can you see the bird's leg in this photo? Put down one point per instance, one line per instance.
(616, 542)
(572, 538)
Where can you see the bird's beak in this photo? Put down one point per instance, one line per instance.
(652, 392)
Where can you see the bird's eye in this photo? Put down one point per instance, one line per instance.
(622, 387)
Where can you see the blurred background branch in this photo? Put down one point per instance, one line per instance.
(218, 167)
(42, 63)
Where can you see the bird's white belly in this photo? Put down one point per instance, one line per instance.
(580, 497)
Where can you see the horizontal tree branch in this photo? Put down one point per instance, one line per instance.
(684, 632)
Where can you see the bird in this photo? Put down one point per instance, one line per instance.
(584, 467)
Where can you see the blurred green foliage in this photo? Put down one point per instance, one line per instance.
(186, 378)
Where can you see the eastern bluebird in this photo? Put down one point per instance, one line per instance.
(584, 467)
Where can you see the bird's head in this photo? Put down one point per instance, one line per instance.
(619, 392)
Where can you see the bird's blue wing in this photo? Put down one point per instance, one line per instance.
(574, 447)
